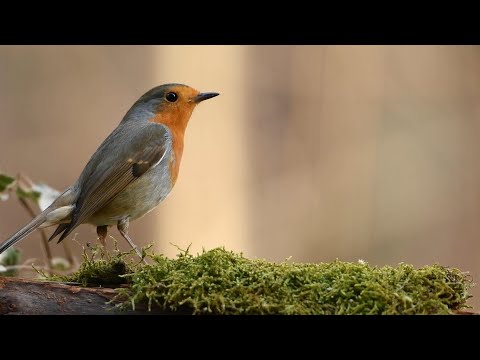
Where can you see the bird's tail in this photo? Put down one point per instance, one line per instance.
(23, 232)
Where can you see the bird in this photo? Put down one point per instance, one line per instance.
(131, 172)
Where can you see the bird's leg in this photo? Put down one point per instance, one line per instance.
(122, 227)
(102, 232)
(102, 235)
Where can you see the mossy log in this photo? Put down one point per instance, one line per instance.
(33, 297)
(224, 283)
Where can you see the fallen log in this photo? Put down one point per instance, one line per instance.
(34, 297)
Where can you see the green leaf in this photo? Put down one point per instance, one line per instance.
(5, 182)
(28, 194)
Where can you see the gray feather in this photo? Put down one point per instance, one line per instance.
(132, 148)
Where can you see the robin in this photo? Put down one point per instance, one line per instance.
(132, 171)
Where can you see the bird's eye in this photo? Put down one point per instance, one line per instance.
(172, 97)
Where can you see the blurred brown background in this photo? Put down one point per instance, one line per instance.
(314, 152)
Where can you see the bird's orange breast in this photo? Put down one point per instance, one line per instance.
(176, 120)
(177, 148)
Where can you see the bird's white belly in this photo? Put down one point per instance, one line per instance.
(138, 198)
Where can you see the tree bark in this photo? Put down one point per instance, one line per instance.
(30, 297)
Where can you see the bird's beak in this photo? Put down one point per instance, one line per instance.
(204, 96)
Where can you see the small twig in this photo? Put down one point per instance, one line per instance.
(68, 253)
(43, 268)
(46, 246)
(29, 261)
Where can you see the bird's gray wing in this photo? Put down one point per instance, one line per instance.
(122, 158)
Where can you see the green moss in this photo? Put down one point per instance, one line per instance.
(100, 268)
(101, 272)
(222, 282)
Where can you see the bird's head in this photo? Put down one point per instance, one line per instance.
(172, 104)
